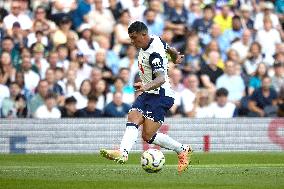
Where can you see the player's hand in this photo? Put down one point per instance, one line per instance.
(139, 87)
(179, 58)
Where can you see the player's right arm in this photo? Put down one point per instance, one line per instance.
(159, 80)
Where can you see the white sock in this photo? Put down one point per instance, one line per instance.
(167, 142)
(129, 138)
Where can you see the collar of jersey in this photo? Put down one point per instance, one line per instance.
(151, 40)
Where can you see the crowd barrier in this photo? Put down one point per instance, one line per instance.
(89, 135)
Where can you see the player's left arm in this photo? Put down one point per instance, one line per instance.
(160, 79)
(176, 57)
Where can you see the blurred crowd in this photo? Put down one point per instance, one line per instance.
(73, 58)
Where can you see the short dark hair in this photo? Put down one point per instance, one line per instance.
(208, 7)
(70, 100)
(137, 27)
(50, 95)
(236, 17)
(92, 98)
(222, 92)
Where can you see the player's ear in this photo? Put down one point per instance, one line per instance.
(144, 33)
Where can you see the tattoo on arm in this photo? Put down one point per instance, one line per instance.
(157, 82)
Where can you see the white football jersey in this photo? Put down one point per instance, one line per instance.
(154, 59)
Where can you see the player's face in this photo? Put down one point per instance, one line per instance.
(138, 39)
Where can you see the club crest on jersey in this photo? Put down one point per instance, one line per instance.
(157, 62)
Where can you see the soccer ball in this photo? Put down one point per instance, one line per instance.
(152, 160)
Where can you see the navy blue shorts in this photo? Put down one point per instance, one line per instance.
(153, 106)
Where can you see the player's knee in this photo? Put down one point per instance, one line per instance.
(147, 137)
(135, 117)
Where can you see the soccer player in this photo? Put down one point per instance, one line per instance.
(157, 97)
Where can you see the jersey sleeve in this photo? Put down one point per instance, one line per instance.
(156, 62)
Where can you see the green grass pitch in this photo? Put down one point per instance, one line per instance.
(84, 171)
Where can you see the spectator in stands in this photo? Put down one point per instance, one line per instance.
(38, 59)
(253, 59)
(120, 86)
(52, 60)
(232, 82)
(101, 63)
(48, 109)
(86, 44)
(242, 46)
(100, 91)
(213, 46)
(177, 21)
(20, 80)
(194, 12)
(168, 36)
(9, 70)
(80, 14)
(115, 7)
(70, 82)
(82, 95)
(202, 26)
(231, 34)
(176, 78)
(8, 45)
(187, 98)
(64, 30)
(112, 58)
(224, 19)
(38, 34)
(245, 14)
(191, 62)
(263, 100)
(63, 61)
(157, 7)
(266, 12)
(201, 105)
(155, 26)
(268, 37)
(130, 62)
(21, 106)
(255, 81)
(53, 86)
(9, 103)
(121, 37)
(233, 55)
(214, 34)
(90, 111)
(69, 108)
(101, 19)
(16, 15)
(96, 76)
(40, 15)
(116, 108)
(128, 79)
(18, 36)
(278, 79)
(210, 72)
(136, 11)
(31, 77)
(38, 99)
(84, 70)
(222, 108)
